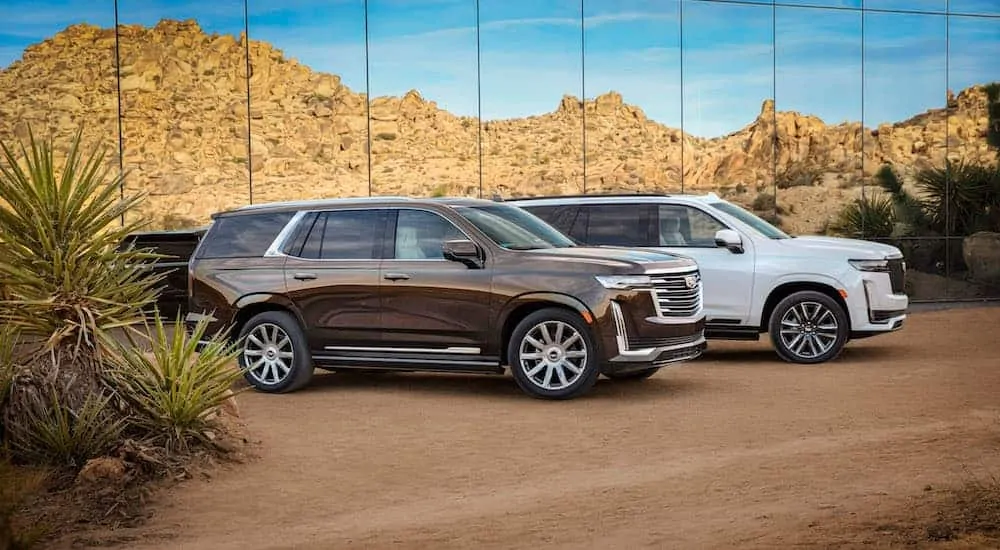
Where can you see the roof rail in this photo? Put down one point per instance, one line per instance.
(582, 196)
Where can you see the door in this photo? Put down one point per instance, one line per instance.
(332, 276)
(727, 278)
(431, 305)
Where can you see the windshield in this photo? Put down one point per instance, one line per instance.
(749, 218)
(513, 228)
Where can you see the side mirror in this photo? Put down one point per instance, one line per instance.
(464, 251)
(729, 239)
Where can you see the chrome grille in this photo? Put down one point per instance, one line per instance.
(674, 297)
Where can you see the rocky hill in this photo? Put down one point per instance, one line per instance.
(185, 133)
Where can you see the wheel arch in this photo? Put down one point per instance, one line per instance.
(784, 290)
(253, 304)
(526, 304)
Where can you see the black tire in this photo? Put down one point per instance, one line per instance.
(815, 333)
(300, 364)
(634, 375)
(588, 365)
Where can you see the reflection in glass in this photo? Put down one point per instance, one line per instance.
(184, 108)
(423, 79)
(971, 208)
(904, 117)
(931, 6)
(818, 102)
(57, 74)
(728, 104)
(308, 102)
(974, 7)
(532, 84)
(633, 115)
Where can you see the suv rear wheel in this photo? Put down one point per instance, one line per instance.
(274, 355)
(553, 355)
(808, 327)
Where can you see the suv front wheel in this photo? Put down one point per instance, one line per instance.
(274, 355)
(553, 355)
(808, 327)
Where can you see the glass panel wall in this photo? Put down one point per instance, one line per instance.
(971, 210)
(818, 116)
(308, 100)
(632, 81)
(424, 90)
(871, 123)
(727, 52)
(905, 84)
(184, 107)
(531, 69)
(58, 76)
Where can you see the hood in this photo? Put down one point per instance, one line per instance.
(624, 260)
(854, 249)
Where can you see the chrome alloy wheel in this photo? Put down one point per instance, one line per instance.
(553, 355)
(268, 354)
(809, 329)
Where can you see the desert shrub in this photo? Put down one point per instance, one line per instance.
(17, 485)
(866, 217)
(172, 388)
(960, 198)
(798, 175)
(51, 432)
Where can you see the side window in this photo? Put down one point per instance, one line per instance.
(687, 226)
(344, 235)
(243, 235)
(421, 234)
(559, 217)
(618, 225)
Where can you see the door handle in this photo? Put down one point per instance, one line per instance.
(305, 276)
(396, 276)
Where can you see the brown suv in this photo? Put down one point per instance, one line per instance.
(447, 285)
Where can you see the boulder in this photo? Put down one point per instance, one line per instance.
(981, 252)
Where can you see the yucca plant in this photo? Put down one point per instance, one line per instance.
(172, 388)
(870, 217)
(50, 432)
(61, 269)
(956, 198)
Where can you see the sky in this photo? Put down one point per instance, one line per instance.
(708, 65)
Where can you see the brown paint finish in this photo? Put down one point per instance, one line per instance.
(437, 310)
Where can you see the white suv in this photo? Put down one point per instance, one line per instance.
(811, 294)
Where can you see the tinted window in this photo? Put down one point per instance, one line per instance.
(421, 235)
(243, 235)
(344, 235)
(514, 228)
(687, 226)
(617, 225)
(560, 217)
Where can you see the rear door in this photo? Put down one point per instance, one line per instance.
(332, 276)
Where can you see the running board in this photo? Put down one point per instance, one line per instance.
(410, 363)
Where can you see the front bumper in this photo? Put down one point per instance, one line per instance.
(881, 310)
(642, 341)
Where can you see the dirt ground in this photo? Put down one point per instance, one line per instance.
(735, 450)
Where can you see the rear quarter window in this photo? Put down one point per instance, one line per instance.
(243, 235)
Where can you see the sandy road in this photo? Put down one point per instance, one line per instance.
(735, 450)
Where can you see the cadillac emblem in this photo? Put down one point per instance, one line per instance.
(691, 281)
